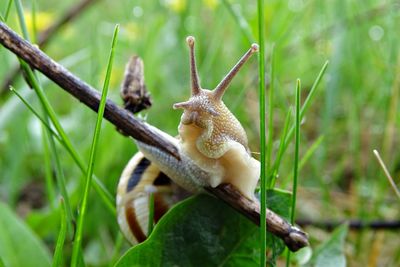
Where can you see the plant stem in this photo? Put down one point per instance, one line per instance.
(270, 121)
(57, 259)
(263, 204)
(296, 159)
(79, 230)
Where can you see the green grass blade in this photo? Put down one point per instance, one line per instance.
(307, 102)
(270, 120)
(310, 152)
(2, 19)
(48, 172)
(32, 109)
(58, 252)
(106, 197)
(307, 155)
(21, 18)
(289, 135)
(8, 9)
(261, 57)
(32, 80)
(100, 189)
(296, 151)
(56, 160)
(275, 169)
(79, 230)
(296, 160)
(61, 179)
(311, 95)
(240, 20)
(34, 24)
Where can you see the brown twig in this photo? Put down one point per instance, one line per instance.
(45, 36)
(293, 237)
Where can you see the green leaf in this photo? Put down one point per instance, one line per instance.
(331, 252)
(19, 246)
(201, 229)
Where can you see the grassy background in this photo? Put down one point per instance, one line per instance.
(355, 110)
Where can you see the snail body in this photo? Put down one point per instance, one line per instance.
(213, 149)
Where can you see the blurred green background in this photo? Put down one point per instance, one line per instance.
(355, 109)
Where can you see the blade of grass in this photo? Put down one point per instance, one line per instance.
(310, 152)
(296, 151)
(307, 102)
(296, 161)
(32, 80)
(240, 21)
(303, 110)
(36, 86)
(270, 120)
(387, 174)
(46, 130)
(34, 25)
(307, 155)
(21, 19)
(29, 106)
(58, 252)
(101, 190)
(60, 178)
(79, 230)
(8, 9)
(261, 68)
(47, 167)
(275, 169)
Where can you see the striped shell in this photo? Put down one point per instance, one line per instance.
(139, 178)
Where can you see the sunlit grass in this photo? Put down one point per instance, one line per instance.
(263, 155)
(33, 81)
(296, 159)
(58, 251)
(76, 249)
(340, 126)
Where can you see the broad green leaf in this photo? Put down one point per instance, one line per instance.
(201, 230)
(19, 246)
(331, 252)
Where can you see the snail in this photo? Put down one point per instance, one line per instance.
(213, 149)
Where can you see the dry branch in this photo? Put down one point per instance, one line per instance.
(293, 237)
